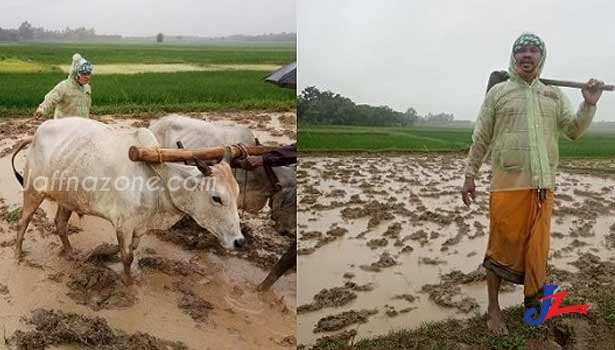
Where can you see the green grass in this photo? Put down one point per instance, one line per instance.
(106, 53)
(473, 332)
(13, 215)
(377, 139)
(21, 93)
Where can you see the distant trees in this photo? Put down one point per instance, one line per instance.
(25, 31)
(316, 107)
(9, 35)
(28, 32)
(440, 118)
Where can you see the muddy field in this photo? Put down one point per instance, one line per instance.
(190, 293)
(387, 244)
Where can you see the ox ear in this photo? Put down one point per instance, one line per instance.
(202, 166)
(228, 155)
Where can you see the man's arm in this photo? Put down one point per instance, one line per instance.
(52, 99)
(574, 125)
(283, 156)
(481, 140)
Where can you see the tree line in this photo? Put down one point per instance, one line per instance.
(325, 107)
(27, 31)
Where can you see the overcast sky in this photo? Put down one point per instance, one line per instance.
(148, 17)
(436, 55)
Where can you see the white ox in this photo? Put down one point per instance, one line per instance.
(195, 133)
(77, 147)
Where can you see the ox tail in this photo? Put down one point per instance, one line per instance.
(23, 144)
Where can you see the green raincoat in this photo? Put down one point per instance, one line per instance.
(518, 131)
(68, 98)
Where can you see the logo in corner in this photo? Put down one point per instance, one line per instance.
(550, 306)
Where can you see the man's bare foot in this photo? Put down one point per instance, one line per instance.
(495, 322)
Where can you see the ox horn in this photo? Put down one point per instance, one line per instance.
(202, 166)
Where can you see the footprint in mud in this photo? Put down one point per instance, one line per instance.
(56, 328)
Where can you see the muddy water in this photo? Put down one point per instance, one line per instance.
(241, 318)
(422, 184)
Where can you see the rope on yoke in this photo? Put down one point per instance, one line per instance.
(159, 154)
(244, 155)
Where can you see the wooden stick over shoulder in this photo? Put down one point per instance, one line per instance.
(573, 84)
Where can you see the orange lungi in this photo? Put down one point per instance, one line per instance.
(519, 233)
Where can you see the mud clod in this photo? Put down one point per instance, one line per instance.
(192, 304)
(340, 321)
(386, 260)
(169, 266)
(56, 328)
(99, 288)
(377, 243)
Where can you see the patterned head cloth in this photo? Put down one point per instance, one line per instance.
(80, 66)
(85, 68)
(527, 39)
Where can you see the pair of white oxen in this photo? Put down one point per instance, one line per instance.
(82, 148)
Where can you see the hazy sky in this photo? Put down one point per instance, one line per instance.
(436, 55)
(148, 17)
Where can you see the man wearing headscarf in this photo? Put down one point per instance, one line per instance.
(72, 96)
(518, 129)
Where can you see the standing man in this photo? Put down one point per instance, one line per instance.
(519, 124)
(72, 96)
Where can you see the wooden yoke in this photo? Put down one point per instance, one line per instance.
(161, 155)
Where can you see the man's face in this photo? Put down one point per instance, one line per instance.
(84, 78)
(527, 60)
